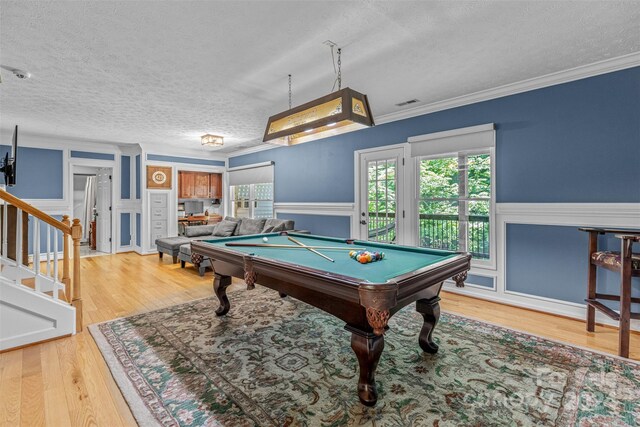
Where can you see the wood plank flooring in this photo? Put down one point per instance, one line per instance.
(66, 382)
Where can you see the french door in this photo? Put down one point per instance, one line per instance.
(381, 200)
(252, 200)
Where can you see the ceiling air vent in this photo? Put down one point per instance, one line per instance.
(411, 101)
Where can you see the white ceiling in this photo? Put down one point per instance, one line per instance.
(165, 72)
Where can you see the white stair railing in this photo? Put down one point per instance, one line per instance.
(40, 272)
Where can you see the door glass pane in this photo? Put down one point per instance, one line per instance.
(381, 200)
(240, 200)
(263, 200)
(439, 225)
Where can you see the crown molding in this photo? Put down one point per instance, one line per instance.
(189, 153)
(581, 72)
(54, 142)
(251, 150)
(590, 70)
(584, 71)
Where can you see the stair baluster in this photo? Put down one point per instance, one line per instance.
(55, 260)
(48, 280)
(36, 254)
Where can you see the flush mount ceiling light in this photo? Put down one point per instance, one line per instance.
(339, 112)
(212, 140)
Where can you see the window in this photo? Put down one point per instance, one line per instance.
(454, 204)
(454, 191)
(251, 191)
(252, 200)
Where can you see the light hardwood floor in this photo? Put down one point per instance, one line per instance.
(66, 382)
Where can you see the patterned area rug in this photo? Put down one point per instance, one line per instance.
(281, 362)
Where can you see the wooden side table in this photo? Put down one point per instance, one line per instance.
(92, 236)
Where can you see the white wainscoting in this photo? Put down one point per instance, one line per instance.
(622, 215)
(331, 209)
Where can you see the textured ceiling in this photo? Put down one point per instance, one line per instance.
(165, 72)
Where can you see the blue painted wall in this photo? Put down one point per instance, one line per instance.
(138, 183)
(188, 160)
(325, 225)
(551, 261)
(138, 229)
(91, 155)
(125, 229)
(39, 173)
(574, 142)
(125, 177)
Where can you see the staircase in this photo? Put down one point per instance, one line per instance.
(39, 300)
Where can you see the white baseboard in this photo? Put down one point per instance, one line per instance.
(531, 302)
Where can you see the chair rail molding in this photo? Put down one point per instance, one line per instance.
(339, 209)
(574, 214)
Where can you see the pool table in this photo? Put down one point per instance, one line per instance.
(364, 296)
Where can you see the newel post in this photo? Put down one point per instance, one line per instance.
(65, 259)
(76, 298)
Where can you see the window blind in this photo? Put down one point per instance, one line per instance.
(453, 141)
(255, 174)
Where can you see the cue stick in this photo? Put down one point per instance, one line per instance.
(311, 249)
(274, 245)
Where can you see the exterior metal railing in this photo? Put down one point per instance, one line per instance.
(437, 231)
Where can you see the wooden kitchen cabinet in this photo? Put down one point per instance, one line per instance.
(216, 186)
(202, 187)
(199, 185)
(186, 185)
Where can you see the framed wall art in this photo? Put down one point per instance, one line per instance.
(159, 177)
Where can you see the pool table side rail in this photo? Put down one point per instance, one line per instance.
(228, 254)
(388, 293)
(337, 240)
(344, 287)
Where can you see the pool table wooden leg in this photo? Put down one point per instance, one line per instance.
(460, 278)
(430, 310)
(220, 285)
(368, 348)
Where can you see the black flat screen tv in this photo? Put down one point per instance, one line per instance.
(8, 167)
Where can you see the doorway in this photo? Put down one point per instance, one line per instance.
(381, 183)
(92, 205)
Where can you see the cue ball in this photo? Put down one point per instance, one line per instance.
(265, 239)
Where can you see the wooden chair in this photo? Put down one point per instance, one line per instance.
(627, 264)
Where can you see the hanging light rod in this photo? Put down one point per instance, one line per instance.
(342, 111)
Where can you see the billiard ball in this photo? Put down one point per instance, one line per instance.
(265, 239)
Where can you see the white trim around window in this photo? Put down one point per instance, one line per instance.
(469, 141)
(471, 138)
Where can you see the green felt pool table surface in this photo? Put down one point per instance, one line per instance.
(398, 260)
